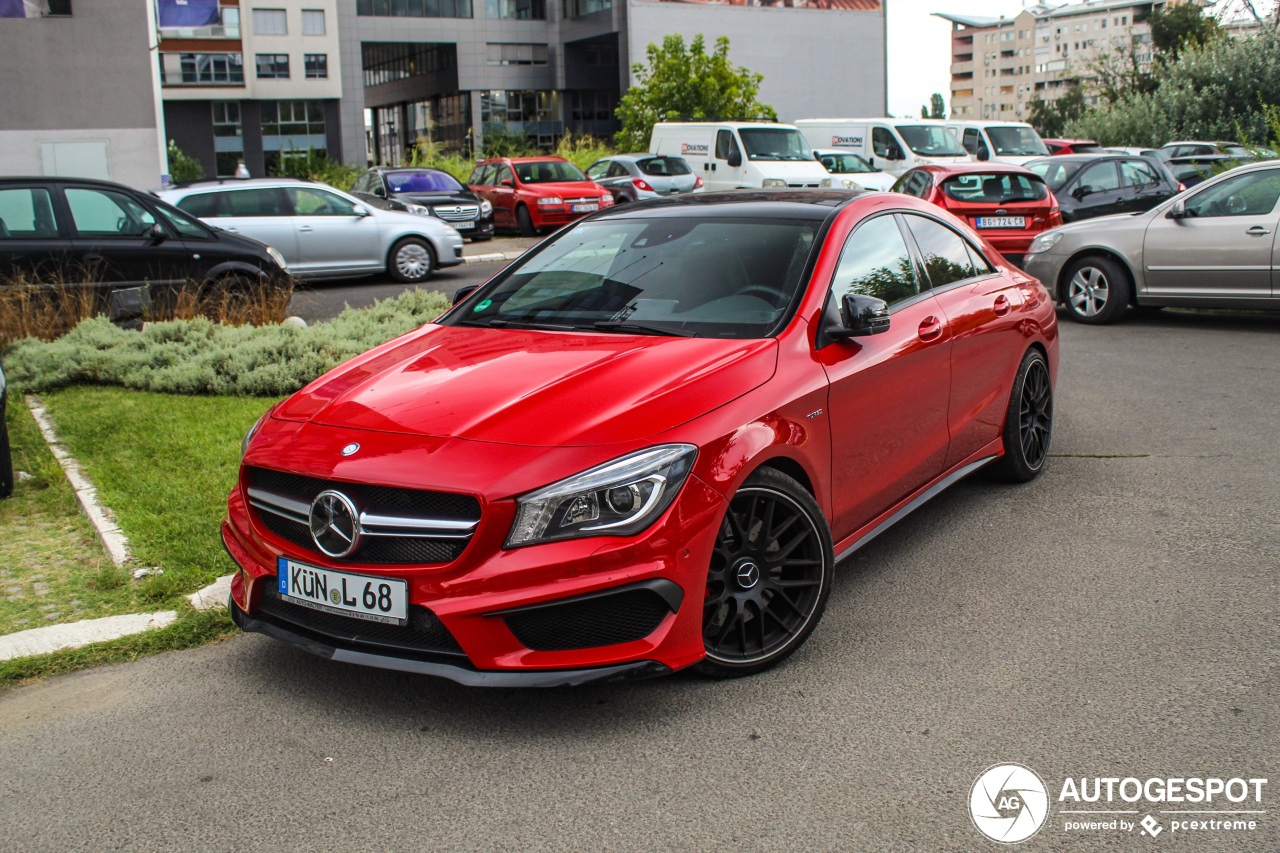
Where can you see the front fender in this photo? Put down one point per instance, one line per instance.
(238, 268)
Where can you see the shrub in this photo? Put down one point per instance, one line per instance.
(582, 150)
(316, 166)
(183, 168)
(202, 357)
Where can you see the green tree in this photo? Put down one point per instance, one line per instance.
(684, 82)
(937, 107)
(182, 167)
(1177, 27)
(1050, 118)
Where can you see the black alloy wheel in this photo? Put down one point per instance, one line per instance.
(769, 578)
(1028, 428)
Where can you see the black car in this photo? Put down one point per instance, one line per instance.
(78, 231)
(1193, 169)
(429, 192)
(1089, 185)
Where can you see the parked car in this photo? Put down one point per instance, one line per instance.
(1070, 146)
(891, 144)
(1191, 171)
(732, 155)
(1137, 152)
(321, 231)
(1013, 142)
(427, 192)
(117, 239)
(1007, 205)
(1175, 150)
(1210, 247)
(6, 456)
(637, 177)
(1089, 185)
(536, 193)
(645, 444)
(851, 172)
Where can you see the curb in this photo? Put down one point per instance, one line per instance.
(491, 257)
(73, 635)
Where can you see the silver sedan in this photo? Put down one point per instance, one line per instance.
(1213, 246)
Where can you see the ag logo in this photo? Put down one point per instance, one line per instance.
(1008, 803)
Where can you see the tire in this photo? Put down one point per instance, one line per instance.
(1096, 290)
(1028, 422)
(6, 457)
(752, 580)
(411, 260)
(525, 222)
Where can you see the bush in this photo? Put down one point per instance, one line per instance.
(202, 357)
(316, 166)
(183, 168)
(582, 150)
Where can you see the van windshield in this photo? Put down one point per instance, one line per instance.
(931, 140)
(775, 143)
(843, 164)
(1017, 142)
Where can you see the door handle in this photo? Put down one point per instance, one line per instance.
(305, 228)
(1257, 231)
(1002, 306)
(930, 329)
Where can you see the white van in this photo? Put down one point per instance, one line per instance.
(1013, 142)
(893, 145)
(736, 155)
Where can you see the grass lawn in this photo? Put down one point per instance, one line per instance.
(164, 465)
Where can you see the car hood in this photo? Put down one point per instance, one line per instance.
(566, 189)
(1103, 223)
(455, 197)
(533, 388)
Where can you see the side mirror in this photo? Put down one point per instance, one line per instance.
(506, 182)
(1080, 192)
(363, 211)
(464, 291)
(983, 154)
(734, 159)
(158, 233)
(856, 316)
(893, 152)
(1178, 211)
(379, 191)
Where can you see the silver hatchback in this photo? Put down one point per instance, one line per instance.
(635, 177)
(323, 232)
(1213, 246)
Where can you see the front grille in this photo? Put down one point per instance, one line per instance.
(813, 185)
(583, 200)
(423, 633)
(457, 212)
(281, 501)
(602, 620)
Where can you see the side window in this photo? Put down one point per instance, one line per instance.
(617, 170)
(596, 171)
(946, 256)
(918, 185)
(875, 262)
(725, 144)
(1251, 194)
(263, 202)
(26, 214)
(309, 202)
(477, 176)
(504, 174)
(1135, 173)
(971, 140)
(105, 213)
(183, 224)
(1100, 178)
(881, 141)
(980, 264)
(203, 205)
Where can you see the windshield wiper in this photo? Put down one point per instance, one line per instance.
(640, 328)
(498, 323)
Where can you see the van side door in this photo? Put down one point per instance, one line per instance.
(726, 175)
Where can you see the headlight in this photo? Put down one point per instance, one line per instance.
(278, 258)
(1044, 242)
(253, 430)
(770, 183)
(485, 207)
(618, 498)
(418, 209)
(851, 185)
(551, 200)
(825, 182)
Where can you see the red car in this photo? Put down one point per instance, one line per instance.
(536, 193)
(1007, 205)
(645, 445)
(1071, 146)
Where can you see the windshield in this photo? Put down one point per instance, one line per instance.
(659, 167)
(994, 188)
(422, 182)
(1016, 142)
(1055, 172)
(775, 143)
(1235, 151)
(841, 164)
(931, 140)
(547, 172)
(682, 276)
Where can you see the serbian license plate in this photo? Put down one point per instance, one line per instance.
(1002, 222)
(463, 226)
(360, 596)
(585, 208)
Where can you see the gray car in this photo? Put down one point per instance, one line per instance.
(1213, 246)
(323, 232)
(635, 177)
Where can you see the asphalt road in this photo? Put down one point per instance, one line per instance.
(1117, 617)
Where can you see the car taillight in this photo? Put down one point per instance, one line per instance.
(641, 184)
(697, 183)
(1182, 187)
(1053, 204)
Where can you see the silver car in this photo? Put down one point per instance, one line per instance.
(636, 177)
(1213, 246)
(323, 232)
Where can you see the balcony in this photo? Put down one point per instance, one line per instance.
(228, 27)
(201, 69)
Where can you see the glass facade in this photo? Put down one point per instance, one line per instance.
(517, 10)
(578, 8)
(516, 54)
(414, 8)
(201, 69)
(386, 63)
(291, 128)
(228, 137)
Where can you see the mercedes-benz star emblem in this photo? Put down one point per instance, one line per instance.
(748, 575)
(335, 524)
(350, 449)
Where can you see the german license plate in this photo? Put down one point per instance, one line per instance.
(1002, 222)
(585, 208)
(360, 596)
(463, 226)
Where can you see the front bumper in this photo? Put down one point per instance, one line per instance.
(1046, 266)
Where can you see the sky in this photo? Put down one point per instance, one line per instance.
(920, 45)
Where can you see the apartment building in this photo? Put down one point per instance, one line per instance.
(999, 65)
(251, 81)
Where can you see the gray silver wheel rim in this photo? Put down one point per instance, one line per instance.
(1088, 291)
(413, 261)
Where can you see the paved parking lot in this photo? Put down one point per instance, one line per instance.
(1117, 617)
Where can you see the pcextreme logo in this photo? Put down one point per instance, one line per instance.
(1009, 803)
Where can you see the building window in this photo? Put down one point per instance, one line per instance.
(201, 69)
(317, 65)
(386, 63)
(270, 22)
(517, 54)
(414, 8)
(291, 129)
(578, 8)
(228, 138)
(273, 66)
(517, 10)
(313, 22)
